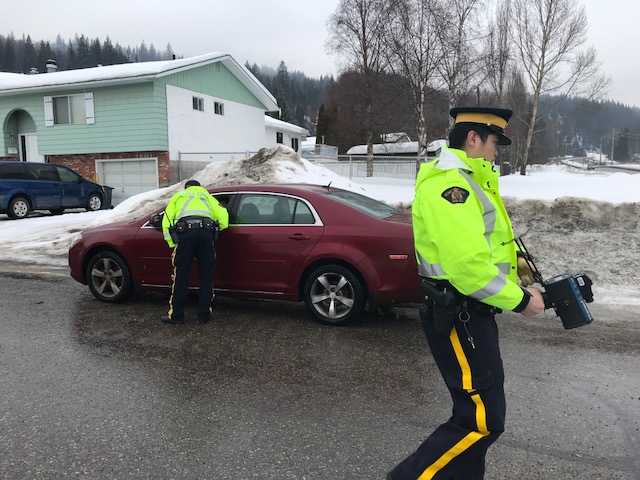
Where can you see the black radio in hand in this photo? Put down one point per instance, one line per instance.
(568, 294)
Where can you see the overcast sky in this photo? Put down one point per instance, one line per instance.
(268, 31)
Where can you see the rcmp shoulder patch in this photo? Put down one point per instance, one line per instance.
(455, 195)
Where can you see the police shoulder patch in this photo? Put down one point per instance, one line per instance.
(455, 195)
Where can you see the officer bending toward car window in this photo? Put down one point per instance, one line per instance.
(190, 224)
(468, 260)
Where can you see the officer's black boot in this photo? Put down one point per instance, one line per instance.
(172, 321)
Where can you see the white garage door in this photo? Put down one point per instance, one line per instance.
(128, 177)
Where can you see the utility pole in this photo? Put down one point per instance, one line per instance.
(613, 141)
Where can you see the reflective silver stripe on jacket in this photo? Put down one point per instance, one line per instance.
(489, 215)
(489, 219)
(426, 269)
(185, 212)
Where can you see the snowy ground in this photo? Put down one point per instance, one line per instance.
(577, 220)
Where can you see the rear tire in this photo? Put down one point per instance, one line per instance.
(334, 295)
(19, 207)
(94, 203)
(109, 277)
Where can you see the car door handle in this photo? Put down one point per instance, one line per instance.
(299, 236)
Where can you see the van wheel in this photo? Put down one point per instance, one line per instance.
(19, 207)
(108, 277)
(334, 295)
(94, 203)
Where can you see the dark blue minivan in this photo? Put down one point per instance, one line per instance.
(27, 186)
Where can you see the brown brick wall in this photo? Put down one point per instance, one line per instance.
(85, 164)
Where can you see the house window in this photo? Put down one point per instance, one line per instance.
(69, 110)
(198, 104)
(279, 137)
(218, 108)
(294, 144)
(74, 109)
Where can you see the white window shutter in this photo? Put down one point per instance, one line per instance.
(88, 103)
(48, 112)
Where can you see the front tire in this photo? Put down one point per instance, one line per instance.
(334, 295)
(109, 277)
(19, 207)
(94, 203)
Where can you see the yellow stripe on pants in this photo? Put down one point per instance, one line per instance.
(481, 415)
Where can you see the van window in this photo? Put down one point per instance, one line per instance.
(44, 172)
(67, 175)
(14, 171)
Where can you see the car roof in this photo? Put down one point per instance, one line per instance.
(3, 162)
(275, 188)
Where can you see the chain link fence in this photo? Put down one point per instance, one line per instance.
(349, 166)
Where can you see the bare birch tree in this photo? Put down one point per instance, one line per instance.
(499, 51)
(356, 33)
(460, 66)
(550, 36)
(415, 53)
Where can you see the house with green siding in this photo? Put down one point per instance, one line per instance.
(126, 126)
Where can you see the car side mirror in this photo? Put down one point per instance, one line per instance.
(156, 220)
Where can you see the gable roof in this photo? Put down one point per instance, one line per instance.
(128, 73)
(274, 123)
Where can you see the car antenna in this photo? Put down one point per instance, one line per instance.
(329, 184)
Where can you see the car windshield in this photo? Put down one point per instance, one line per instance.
(364, 204)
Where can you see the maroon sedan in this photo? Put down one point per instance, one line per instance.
(331, 248)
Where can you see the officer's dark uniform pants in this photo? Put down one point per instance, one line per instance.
(475, 378)
(197, 243)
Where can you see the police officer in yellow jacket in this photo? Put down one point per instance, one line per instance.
(467, 257)
(189, 224)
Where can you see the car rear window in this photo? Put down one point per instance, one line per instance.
(364, 204)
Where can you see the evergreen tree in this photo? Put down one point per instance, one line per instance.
(45, 53)
(72, 59)
(10, 54)
(108, 52)
(29, 56)
(322, 127)
(82, 52)
(168, 52)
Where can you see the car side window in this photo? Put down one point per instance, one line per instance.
(14, 171)
(302, 214)
(44, 172)
(67, 175)
(272, 209)
(251, 209)
(226, 199)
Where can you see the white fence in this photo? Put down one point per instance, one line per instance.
(355, 166)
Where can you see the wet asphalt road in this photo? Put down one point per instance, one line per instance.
(96, 391)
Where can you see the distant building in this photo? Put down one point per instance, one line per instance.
(398, 149)
(279, 132)
(318, 152)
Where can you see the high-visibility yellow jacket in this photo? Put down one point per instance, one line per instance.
(462, 231)
(192, 202)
